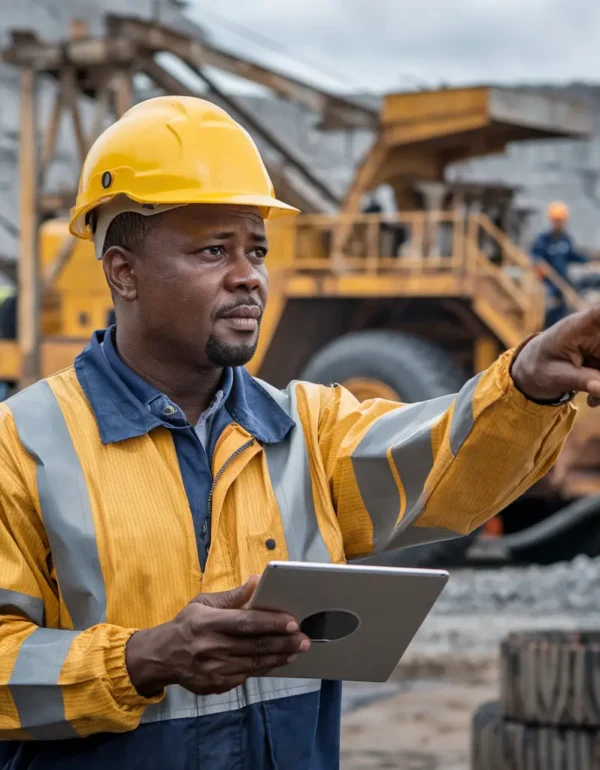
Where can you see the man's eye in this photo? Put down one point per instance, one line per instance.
(259, 253)
(212, 251)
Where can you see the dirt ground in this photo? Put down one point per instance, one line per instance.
(424, 724)
(421, 718)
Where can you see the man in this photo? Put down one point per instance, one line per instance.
(143, 488)
(555, 247)
(398, 233)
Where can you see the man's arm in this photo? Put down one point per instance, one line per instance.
(53, 683)
(538, 249)
(58, 684)
(403, 475)
(576, 257)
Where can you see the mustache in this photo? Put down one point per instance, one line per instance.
(241, 302)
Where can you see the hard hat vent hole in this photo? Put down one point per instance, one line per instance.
(106, 179)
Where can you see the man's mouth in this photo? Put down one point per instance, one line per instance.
(243, 317)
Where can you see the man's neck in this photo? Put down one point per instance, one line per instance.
(192, 389)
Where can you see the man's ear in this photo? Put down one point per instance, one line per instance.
(119, 270)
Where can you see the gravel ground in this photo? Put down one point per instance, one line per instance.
(571, 587)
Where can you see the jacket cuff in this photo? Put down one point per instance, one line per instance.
(514, 395)
(124, 693)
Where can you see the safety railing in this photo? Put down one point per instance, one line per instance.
(373, 243)
(423, 243)
(493, 255)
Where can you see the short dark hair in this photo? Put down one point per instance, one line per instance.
(129, 231)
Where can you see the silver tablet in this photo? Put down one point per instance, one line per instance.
(360, 618)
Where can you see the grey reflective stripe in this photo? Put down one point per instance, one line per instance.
(415, 535)
(34, 684)
(462, 417)
(407, 430)
(289, 470)
(64, 502)
(181, 704)
(16, 603)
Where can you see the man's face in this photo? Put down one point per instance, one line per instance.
(201, 283)
(558, 225)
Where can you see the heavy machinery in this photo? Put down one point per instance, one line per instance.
(405, 306)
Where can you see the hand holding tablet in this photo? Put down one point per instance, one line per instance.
(360, 619)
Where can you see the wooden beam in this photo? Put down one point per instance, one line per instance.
(69, 93)
(201, 54)
(50, 137)
(56, 202)
(29, 327)
(30, 52)
(101, 109)
(123, 90)
(171, 84)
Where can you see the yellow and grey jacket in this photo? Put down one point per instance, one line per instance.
(110, 522)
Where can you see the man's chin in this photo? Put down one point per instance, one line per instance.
(226, 353)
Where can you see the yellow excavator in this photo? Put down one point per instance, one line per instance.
(404, 306)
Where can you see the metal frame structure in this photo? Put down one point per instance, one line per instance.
(104, 69)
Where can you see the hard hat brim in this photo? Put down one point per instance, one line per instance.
(273, 208)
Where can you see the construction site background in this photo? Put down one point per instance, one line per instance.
(463, 305)
(546, 171)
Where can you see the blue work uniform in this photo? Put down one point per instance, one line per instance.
(558, 251)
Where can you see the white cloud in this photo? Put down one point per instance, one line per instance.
(376, 42)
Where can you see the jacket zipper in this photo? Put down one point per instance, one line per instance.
(221, 471)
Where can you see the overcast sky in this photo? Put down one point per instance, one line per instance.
(391, 44)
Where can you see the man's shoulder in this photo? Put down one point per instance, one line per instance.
(63, 386)
(310, 395)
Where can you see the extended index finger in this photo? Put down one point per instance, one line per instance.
(255, 623)
(585, 319)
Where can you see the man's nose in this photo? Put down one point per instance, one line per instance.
(244, 275)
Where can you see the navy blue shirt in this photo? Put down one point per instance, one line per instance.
(558, 251)
(125, 406)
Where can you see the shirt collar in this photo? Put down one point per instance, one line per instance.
(160, 405)
(120, 398)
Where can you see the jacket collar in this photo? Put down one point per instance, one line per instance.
(122, 413)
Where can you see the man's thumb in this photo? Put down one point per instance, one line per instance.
(235, 599)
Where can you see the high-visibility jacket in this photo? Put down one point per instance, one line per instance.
(97, 540)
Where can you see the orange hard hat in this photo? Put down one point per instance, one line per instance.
(558, 211)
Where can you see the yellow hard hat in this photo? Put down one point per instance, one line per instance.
(558, 211)
(174, 150)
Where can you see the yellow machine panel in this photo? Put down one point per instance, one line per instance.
(504, 114)
(79, 301)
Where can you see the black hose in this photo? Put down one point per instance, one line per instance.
(558, 524)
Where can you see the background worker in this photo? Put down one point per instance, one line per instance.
(142, 488)
(555, 247)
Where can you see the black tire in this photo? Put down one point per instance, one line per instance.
(417, 370)
(499, 744)
(8, 318)
(552, 678)
(487, 752)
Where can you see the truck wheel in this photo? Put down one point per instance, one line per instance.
(8, 318)
(375, 364)
(500, 744)
(552, 678)
(487, 750)
(400, 367)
